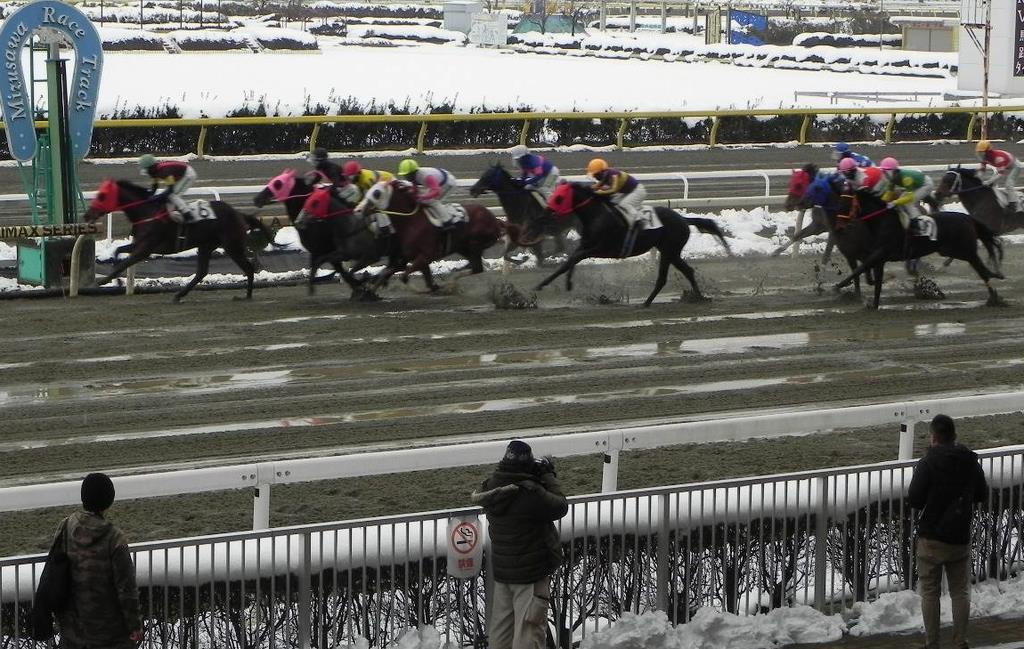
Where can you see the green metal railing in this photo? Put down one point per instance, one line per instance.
(717, 117)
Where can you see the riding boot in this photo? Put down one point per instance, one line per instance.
(630, 241)
(1011, 208)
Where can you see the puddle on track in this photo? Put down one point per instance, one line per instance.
(467, 407)
(560, 357)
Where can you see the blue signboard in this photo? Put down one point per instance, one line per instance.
(747, 28)
(83, 88)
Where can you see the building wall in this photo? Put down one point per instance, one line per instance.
(1001, 73)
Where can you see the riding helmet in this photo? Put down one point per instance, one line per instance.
(518, 151)
(842, 147)
(407, 167)
(145, 162)
(352, 169)
(847, 165)
(890, 164)
(984, 146)
(319, 154)
(596, 166)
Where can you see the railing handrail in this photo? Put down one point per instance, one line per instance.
(644, 492)
(763, 423)
(538, 116)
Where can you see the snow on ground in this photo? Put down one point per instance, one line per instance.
(471, 77)
(712, 629)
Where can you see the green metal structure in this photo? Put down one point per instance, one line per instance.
(51, 179)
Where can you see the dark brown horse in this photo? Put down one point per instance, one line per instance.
(420, 242)
(154, 232)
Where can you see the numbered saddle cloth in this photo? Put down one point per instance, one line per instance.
(200, 211)
(457, 213)
(924, 226)
(648, 219)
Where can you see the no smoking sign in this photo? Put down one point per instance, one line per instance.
(465, 551)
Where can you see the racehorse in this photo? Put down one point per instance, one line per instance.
(154, 232)
(796, 198)
(604, 233)
(979, 199)
(420, 242)
(353, 239)
(957, 237)
(822, 197)
(521, 207)
(319, 236)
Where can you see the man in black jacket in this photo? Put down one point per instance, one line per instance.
(522, 500)
(947, 482)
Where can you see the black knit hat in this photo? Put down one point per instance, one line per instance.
(97, 493)
(518, 451)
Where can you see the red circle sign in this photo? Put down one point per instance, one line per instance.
(464, 538)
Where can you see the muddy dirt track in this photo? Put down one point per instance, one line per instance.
(132, 384)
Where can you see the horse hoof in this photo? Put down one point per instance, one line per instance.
(995, 300)
(242, 298)
(176, 299)
(539, 287)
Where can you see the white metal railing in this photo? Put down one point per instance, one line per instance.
(901, 415)
(825, 537)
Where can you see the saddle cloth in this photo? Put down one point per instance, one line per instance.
(200, 210)
(456, 214)
(924, 226)
(648, 218)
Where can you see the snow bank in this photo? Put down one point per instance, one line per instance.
(900, 612)
(418, 33)
(119, 38)
(712, 629)
(811, 39)
(819, 57)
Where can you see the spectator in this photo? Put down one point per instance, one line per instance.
(522, 500)
(103, 609)
(947, 482)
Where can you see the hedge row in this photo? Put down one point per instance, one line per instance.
(242, 140)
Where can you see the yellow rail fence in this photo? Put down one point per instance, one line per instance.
(316, 122)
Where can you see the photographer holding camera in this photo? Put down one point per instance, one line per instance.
(522, 499)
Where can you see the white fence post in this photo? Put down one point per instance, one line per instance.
(662, 558)
(610, 473)
(906, 449)
(820, 542)
(305, 594)
(261, 507)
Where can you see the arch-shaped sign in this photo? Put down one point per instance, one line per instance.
(83, 89)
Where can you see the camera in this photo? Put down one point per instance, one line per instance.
(544, 465)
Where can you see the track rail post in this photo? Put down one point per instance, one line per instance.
(421, 138)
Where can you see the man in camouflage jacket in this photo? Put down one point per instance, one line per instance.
(103, 608)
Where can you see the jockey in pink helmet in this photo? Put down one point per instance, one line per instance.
(905, 190)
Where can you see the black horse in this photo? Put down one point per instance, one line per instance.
(798, 197)
(522, 207)
(979, 199)
(604, 233)
(957, 237)
(352, 238)
(154, 232)
(319, 236)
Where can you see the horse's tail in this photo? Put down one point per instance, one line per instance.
(253, 222)
(993, 246)
(708, 226)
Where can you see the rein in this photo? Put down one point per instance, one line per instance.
(958, 184)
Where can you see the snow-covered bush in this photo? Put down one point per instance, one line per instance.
(119, 39)
(812, 39)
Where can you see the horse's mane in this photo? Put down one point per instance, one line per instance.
(965, 171)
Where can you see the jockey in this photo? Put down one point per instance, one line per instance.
(537, 174)
(177, 176)
(623, 190)
(431, 185)
(843, 151)
(905, 189)
(330, 170)
(364, 179)
(869, 178)
(1000, 166)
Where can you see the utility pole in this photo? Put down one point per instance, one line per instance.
(984, 44)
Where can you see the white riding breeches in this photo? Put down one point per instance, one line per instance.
(912, 210)
(630, 204)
